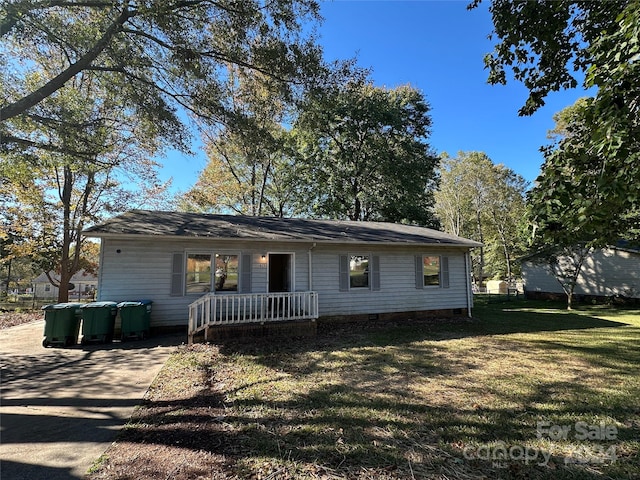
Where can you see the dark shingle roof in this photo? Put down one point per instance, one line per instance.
(169, 224)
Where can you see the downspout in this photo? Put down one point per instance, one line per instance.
(468, 284)
(311, 267)
(98, 293)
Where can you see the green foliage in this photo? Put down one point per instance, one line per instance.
(363, 153)
(96, 89)
(247, 174)
(545, 44)
(157, 56)
(589, 189)
(249, 159)
(82, 146)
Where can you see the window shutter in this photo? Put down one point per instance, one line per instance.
(177, 275)
(419, 272)
(375, 272)
(245, 273)
(444, 272)
(344, 273)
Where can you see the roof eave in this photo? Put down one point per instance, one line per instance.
(131, 236)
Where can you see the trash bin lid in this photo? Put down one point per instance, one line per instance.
(136, 303)
(100, 305)
(60, 306)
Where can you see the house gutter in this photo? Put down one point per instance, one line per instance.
(311, 267)
(100, 270)
(346, 241)
(468, 284)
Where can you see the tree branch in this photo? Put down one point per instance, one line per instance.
(28, 101)
(10, 139)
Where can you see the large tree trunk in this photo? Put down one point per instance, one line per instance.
(481, 240)
(568, 278)
(65, 196)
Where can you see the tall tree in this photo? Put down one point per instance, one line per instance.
(592, 173)
(483, 201)
(364, 153)
(157, 56)
(506, 209)
(563, 207)
(248, 157)
(246, 174)
(82, 149)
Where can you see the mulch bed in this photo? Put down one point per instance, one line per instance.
(11, 319)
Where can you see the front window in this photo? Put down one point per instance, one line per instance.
(198, 273)
(226, 273)
(359, 271)
(431, 270)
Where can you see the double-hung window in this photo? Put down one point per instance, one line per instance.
(226, 275)
(359, 272)
(198, 274)
(432, 271)
(206, 272)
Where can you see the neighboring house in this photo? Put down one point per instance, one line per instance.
(84, 286)
(222, 269)
(606, 273)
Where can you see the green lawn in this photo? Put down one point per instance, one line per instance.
(527, 390)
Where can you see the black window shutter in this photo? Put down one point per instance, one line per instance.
(245, 273)
(344, 273)
(419, 272)
(444, 272)
(375, 272)
(177, 275)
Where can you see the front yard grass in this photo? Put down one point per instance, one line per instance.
(525, 390)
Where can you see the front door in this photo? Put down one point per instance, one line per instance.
(280, 272)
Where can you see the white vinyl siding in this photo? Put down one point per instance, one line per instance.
(605, 273)
(147, 269)
(397, 289)
(346, 279)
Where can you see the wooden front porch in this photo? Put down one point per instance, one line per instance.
(224, 310)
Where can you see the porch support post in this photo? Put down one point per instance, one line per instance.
(311, 266)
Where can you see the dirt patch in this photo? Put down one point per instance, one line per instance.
(11, 319)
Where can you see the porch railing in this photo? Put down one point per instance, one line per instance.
(234, 309)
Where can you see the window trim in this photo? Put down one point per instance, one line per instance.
(212, 285)
(444, 277)
(439, 285)
(344, 272)
(368, 256)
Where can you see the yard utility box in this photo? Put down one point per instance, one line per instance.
(98, 322)
(135, 319)
(61, 324)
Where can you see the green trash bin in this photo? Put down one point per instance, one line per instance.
(61, 324)
(98, 322)
(136, 319)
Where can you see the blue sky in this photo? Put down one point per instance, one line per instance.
(438, 48)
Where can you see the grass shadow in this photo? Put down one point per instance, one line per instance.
(396, 401)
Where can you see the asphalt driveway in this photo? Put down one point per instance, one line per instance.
(62, 407)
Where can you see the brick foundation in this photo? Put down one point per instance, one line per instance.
(394, 316)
